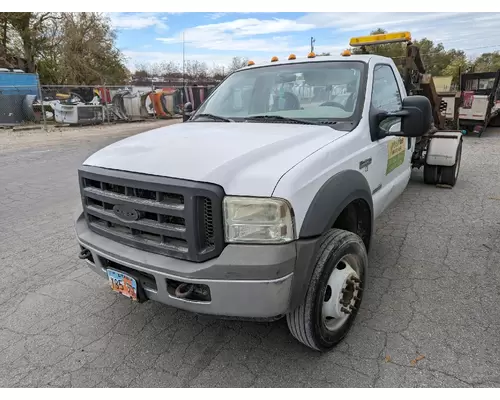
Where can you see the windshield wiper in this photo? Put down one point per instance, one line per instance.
(213, 117)
(279, 118)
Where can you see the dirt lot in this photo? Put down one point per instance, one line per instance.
(12, 140)
(432, 295)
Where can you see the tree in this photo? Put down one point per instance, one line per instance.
(487, 62)
(218, 72)
(29, 34)
(437, 61)
(171, 69)
(141, 73)
(65, 48)
(87, 51)
(196, 69)
(237, 63)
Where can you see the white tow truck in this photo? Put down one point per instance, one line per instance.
(262, 204)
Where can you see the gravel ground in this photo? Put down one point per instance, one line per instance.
(429, 317)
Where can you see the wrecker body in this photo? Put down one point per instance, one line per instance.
(439, 150)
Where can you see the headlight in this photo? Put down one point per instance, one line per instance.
(258, 220)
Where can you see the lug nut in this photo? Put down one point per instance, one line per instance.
(352, 308)
(354, 279)
(345, 310)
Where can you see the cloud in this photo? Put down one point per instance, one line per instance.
(136, 58)
(216, 15)
(138, 21)
(366, 21)
(472, 32)
(233, 35)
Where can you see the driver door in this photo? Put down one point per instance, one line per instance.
(395, 170)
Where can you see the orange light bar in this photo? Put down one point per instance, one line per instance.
(274, 59)
(292, 57)
(250, 63)
(345, 53)
(396, 37)
(311, 55)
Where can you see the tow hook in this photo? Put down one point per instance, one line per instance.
(184, 290)
(84, 254)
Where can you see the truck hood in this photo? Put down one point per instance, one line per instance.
(243, 158)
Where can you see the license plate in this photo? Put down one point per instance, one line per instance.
(122, 283)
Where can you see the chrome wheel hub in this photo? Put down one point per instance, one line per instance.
(341, 295)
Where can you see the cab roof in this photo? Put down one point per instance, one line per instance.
(355, 57)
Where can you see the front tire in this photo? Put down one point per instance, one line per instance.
(334, 294)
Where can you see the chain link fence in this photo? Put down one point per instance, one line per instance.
(48, 105)
(97, 104)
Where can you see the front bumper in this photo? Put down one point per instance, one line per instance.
(245, 281)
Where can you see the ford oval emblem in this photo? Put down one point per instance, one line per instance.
(125, 213)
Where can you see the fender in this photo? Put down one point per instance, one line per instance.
(442, 150)
(331, 199)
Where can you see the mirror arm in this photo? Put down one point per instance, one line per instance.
(401, 113)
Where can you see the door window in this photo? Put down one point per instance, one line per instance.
(386, 96)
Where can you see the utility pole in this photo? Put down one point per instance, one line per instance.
(183, 60)
(312, 44)
(183, 76)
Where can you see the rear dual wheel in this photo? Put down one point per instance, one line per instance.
(434, 174)
(334, 294)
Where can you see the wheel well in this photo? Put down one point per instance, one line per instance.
(356, 218)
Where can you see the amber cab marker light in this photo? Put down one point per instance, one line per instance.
(250, 63)
(311, 55)
(345, 53)
(274, 59)
(292, 57)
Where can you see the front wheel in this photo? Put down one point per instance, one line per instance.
(334, 293)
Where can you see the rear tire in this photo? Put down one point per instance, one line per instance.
(336, 285)
(449, 175)
(430, 174)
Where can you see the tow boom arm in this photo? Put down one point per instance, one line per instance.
(415, 78)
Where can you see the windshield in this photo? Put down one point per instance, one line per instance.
(314, 91)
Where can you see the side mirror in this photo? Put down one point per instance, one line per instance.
(414, 120)
(187, 111)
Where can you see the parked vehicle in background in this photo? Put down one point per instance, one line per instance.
(480, 101)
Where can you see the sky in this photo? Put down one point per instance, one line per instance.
(215, 38)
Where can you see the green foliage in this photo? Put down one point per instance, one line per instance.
(437, 60)
(65, 48)
(487, 62)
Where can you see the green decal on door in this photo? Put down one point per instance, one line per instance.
(396, 150)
